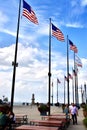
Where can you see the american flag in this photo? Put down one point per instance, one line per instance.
(57, 33)
(29, 13)
(73, 47)
(74, 73)
(58, 81)
(70, 76)
(78, 61)
(66, 79)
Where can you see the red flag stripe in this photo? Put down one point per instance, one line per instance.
(57, 33)
(31, 16)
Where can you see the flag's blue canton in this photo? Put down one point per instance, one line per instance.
(70, 42)
(54, 28)
(26, 6)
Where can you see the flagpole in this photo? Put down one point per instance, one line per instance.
(64, 89)
(75, 78)
(77, 88)
(15, 64)
(49, 73)
(68, 71)
(72, 86)
(85, 91)
(76, 84)
(52, 93)
(57, 90)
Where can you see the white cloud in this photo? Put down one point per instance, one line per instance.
(74, 25)
(32, 72)
(4, 19)
(83, 2)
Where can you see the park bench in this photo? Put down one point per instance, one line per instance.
(21, 119)
(49, 123)
(28, 127)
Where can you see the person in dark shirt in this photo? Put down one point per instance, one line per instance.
(3, 121)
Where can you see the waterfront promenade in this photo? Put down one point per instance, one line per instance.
(33, 113)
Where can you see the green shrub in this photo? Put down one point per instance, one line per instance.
(85, 121)
(85, 107)
(43, 108)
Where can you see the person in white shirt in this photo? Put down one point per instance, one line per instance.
(74, 113)
(70, 107)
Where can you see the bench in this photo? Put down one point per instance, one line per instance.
(50, 123)
(21, 119)
(59, 118)
(28, 127)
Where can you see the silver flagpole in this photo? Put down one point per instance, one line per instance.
(49, 73)
(14, 63)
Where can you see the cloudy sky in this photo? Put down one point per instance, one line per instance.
(32, 57)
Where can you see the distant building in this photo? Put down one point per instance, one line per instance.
(33, 99)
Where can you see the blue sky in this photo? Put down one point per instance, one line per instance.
(32, 70)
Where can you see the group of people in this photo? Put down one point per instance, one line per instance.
(73, 111)
(7, 117)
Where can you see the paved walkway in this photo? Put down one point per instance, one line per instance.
(33, 113)
(80, 125)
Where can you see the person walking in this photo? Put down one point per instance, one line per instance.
(66, 111)
(74, 113)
